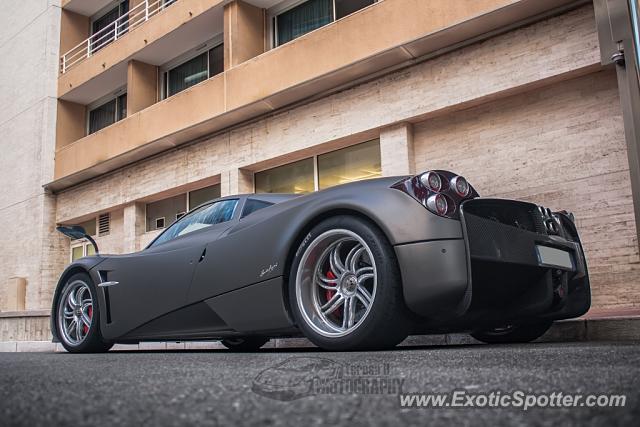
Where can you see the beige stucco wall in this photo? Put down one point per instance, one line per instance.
(137, 38)
(370, 40)
(245, 34)
(142, 86)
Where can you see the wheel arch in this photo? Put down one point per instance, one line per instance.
(83, 265)
(304, 230)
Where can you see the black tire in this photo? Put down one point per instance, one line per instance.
(93, 342)
(386, 323)
(244, 343)
(513, 333)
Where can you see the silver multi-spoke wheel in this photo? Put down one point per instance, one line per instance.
(336, 283)
(75, 313)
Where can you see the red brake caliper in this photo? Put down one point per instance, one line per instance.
(90, 313)
(329, 293)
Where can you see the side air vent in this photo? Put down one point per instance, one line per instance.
(105, 290)
(104, 224)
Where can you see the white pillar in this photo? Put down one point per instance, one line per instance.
(236, 181)
(396, 150)
(133, 227)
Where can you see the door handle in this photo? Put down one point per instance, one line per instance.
(204, 252)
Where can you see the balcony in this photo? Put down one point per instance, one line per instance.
(136, 16)
(154, 33)
(290, 73)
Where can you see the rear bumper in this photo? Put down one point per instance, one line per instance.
(498, 272)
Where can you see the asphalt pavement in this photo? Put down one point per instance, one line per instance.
(307, 387)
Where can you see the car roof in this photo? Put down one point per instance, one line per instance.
(273, 197)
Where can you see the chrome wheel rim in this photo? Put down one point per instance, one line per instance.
(75, 313)
(336, 283)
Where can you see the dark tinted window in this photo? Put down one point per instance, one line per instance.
(204, 217)
(347, 7)
(254, 205)
(216, 60)
(104, 29)
(102, 116)
(108, 113)
(188, 74)
(303, 18)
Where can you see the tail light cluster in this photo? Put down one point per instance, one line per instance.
(550, 220)
(441, 192)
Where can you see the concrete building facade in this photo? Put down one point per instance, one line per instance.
(147, 108)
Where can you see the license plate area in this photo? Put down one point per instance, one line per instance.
(553, 257)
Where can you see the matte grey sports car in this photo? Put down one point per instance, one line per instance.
(357, 266)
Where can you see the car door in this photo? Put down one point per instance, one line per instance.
(155, 281)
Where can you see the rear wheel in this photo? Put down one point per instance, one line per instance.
(78, 316)
(513, 333)
(244, 343)
(345, 291)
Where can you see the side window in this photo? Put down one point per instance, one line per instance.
(253, 205)
(206, 216)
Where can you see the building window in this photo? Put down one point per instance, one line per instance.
(635, 24)
(295, 177)
(347, 7)
(194, 70)
(81, 248)
(107, 113)
(350, 164)
(355, 163)
(103, 28)
(158, 212)
(89, 226)
(203, 195)
(163, 213)
(310, 15)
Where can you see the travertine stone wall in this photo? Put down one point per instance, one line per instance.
(29, 247)
(563, 147)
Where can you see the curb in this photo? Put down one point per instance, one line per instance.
(584, 329)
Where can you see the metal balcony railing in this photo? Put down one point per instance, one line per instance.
(118, 28)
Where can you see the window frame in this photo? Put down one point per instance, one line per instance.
(79, 243)
(105, 10)
(101, 102)
(316, 171)
(276, 10)
(185, 57)
(117, 4)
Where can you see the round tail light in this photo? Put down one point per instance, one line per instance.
(460, 186)
(438, 204)
(432, 181)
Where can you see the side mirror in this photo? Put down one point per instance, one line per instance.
(77, 232)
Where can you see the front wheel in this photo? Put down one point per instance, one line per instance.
(513, 333)
(345, 289)
(78, 316)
